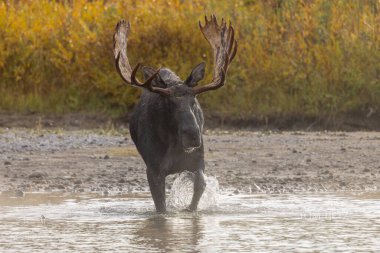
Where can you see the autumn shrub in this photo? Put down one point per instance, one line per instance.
(310, 58)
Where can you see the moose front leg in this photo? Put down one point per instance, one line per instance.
(199, 188)
(157, 189)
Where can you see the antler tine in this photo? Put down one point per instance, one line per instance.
(222, 40)
(213, 18)
(233, 53)
(134, 80)
(206, 20)
(120, 41)
(232, 45)
(148, 84)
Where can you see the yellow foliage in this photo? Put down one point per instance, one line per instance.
(316, 58)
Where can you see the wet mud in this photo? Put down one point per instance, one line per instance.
(242, 161)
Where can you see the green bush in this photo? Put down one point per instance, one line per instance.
(311, 58)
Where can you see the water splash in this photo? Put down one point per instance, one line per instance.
(182, 192)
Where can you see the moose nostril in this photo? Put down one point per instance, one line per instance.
(188, 132)
(191, 137)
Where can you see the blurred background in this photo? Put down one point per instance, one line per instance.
(311, 62)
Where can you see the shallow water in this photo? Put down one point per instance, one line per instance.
(240, 223)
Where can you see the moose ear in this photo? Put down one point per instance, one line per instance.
(197, 74)
(148, 72)
(157, 81)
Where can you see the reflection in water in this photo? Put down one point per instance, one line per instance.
(171, 234)
(240, 223)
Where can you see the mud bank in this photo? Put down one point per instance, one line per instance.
(242, 161)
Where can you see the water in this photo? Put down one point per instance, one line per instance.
(182, 192)
(60, 222)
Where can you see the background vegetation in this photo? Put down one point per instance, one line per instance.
(310, 58)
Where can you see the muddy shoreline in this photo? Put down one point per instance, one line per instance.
(355, 121)
(106, 162)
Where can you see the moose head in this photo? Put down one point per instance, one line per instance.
(181, 94)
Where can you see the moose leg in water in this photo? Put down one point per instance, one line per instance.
(167, 123)
(157, 189)
(199, 188)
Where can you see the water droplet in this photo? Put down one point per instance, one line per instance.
(182, 192)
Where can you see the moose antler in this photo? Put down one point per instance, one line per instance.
(120, 40)
(222, 40)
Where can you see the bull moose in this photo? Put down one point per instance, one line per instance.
(167, 123)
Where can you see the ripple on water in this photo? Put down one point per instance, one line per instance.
(239, 223)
